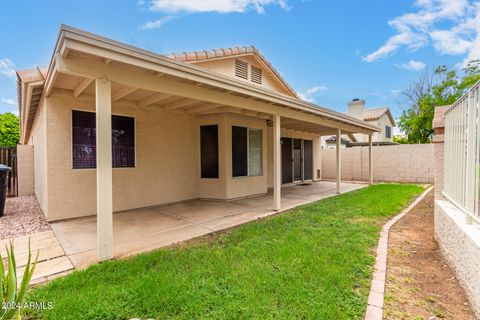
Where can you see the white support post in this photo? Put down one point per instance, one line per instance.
(370, 160)
(104, 169)
(277, 176)
(339, 164)
(470, 174)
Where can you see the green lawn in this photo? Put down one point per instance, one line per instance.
(312, 262)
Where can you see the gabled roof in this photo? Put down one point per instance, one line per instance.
(222, 53)
(377, 113)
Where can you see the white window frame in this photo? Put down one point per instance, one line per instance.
(248, 152)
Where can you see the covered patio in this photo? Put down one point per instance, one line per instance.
(168, 102)
(147, 229)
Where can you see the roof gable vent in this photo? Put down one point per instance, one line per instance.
(256, 74)
(241, 69)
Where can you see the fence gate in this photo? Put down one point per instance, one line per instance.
(8, 157)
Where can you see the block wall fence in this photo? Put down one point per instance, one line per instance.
(398, 163)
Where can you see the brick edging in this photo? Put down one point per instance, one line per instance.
(377, 288)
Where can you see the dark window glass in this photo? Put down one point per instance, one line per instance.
(84, 141)
(209, 151)
(388, 131)
(123, 142)
(239, 151)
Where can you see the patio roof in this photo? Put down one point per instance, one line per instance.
(142, 78)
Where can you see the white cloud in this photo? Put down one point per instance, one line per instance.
(451, 26)
(7, 68)
(156, 23)
(396, 92)
(309, 94)
(10, 102)
(219, 6)
(412, 65)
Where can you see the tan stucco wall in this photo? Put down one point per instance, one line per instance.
(399, 163)
(245, 186)
(226, 186)
(38, 138)
(25, 170)
(227, 67)
(166, 169)
(167, 160)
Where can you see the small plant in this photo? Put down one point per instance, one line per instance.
(11, 296)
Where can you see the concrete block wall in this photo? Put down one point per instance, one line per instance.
(398, 163)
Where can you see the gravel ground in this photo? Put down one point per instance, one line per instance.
(22, 216)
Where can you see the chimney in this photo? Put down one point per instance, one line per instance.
(356, 108)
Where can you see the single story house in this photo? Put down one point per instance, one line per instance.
(115, 127)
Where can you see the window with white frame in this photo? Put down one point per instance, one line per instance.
(246, 152)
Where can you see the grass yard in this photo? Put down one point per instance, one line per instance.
(312, 262)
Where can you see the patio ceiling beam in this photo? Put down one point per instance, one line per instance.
(202, 108)
(82, 86)
(82, 67)
(155, 98)
(180, 104)
(123, 92)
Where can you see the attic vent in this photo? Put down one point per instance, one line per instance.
(256, 74)
(241, 69)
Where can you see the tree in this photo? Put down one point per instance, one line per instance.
(9, 129)
(432, 89)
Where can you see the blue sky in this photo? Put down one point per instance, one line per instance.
(329, 51)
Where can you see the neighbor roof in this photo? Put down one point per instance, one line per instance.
(221, 53)
(377, 113)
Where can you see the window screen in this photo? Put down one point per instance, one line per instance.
(239, 151)
(84, 141)
(209, 151)
(254, 152)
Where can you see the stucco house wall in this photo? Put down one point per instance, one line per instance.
(227, 67)
(38, 138)
(166, 169)
(167, 159)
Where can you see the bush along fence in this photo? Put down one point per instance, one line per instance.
(8, 157)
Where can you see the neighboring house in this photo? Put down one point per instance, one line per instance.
(381, 117)
(217, 124)
(331, 142)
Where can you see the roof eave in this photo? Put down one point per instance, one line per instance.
(191, 72)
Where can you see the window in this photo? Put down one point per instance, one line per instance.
(84, 141)
(246, 152)
(388, 131)
(209, 151)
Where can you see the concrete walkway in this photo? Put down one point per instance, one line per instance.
(150, 228)
(52, 260)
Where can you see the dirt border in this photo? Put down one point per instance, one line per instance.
(377, 288)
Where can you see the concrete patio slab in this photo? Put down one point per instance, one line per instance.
(147, 229)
